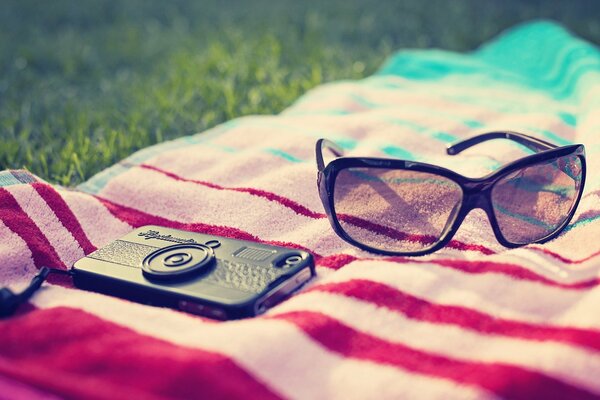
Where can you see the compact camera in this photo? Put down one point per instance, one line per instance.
(203, 274)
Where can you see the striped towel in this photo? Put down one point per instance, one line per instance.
(474, 320)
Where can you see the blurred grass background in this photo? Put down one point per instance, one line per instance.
(83, 84)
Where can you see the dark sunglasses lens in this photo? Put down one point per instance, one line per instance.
(532, 203)
(395, 210)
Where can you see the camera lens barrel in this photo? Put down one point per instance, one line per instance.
(177, 261)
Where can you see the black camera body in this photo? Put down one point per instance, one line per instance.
(202, 274)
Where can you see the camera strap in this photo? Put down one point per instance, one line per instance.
(9, 301)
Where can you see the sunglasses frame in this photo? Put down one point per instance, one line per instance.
(476, 192)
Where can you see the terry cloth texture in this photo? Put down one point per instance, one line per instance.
(474, 320)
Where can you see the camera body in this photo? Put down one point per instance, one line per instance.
(208, 275)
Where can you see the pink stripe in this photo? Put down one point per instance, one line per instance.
(137, 218)
(506, 381)
(559, 257)
(13, 252)
(423, 310)
(14, 390)
(64, 214)
(19, 222)
(41, 214)
(72, 353)
(302, 210)
(513, 270)
(291, 204)
(91, 214)
(337, 261)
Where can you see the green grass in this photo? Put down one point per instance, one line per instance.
(83, 84)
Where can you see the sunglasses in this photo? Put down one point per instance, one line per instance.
(399, 207)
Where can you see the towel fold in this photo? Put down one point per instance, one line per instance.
(473, 320)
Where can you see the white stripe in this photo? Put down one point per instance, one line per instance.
(571, 364)
(41, 214)
(16, 264)
(276, 352)
(99, 225)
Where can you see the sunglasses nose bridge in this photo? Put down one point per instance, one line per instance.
(476, 200)
(477, 195)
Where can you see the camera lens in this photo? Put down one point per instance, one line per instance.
(177, 261)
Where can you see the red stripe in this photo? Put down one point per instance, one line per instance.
(64, 214)
(75, 354)
(506, 381)
(399, 235)
(137, 218)
(302, 210)
(512, 270)
(423, 310)
(338, 261)
(562, 258)
(426, 240)
(20, 223)
(288, 203)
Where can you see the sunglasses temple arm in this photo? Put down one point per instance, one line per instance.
(530, 142)
(329, 145)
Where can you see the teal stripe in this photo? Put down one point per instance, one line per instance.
(226, 149)
(529, 185)
(447, 137)
(568, 118)
(540, 56)
(559, 65)
(283, 154)
(329, 111)
(7, 179)
(363, 101)
(97, 182)
(551, 136)
(582, 222)
(560, 59)
(471, 123)
(441, 136)
(398, 152)
(525, 218)
(346, 144)
(396, 181)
